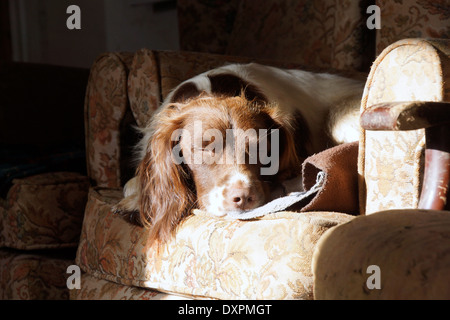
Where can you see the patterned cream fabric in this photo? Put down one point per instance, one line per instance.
(34, 275)
(402, 19)
(267, 258)
(391, 163)
(410, 248)
(316, 33)
(44, 211)
(143, 86)
(319, 33)
(105, 107)
(206, 26)
(97, 289)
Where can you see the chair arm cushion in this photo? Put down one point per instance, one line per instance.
(408, 250)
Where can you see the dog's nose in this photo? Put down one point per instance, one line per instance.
(242, 198)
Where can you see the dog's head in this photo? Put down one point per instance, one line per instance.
(219, 154)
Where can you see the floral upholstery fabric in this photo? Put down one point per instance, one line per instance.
(34, 275)
(269, 258)
(410, 248)
(206, 26)
(403, 19)
(391, 162)
(105, 108)
(44, 211)
(97, 289)
(144, 86)
(325, 33)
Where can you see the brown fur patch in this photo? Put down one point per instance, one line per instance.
(229, 85)
(185, 92)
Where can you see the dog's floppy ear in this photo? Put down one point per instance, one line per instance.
(167, 192)
(162, 193)
(291, 148)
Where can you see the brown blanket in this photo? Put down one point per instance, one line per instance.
(340, 188)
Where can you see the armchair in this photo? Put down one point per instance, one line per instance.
(117, 258)
(211, 258)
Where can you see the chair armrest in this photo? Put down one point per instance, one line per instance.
(405, 115)
(434, 117)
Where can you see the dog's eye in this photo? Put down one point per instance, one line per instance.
(212, 146)
(212, 149)
(206, 143)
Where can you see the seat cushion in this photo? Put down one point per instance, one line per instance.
(93, 288)
(34, 275)
(23, 161)
(44, 211)
(210, 257)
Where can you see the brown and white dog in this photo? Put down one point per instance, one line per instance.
(223, 140)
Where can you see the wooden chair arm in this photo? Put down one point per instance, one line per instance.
(405, 115)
